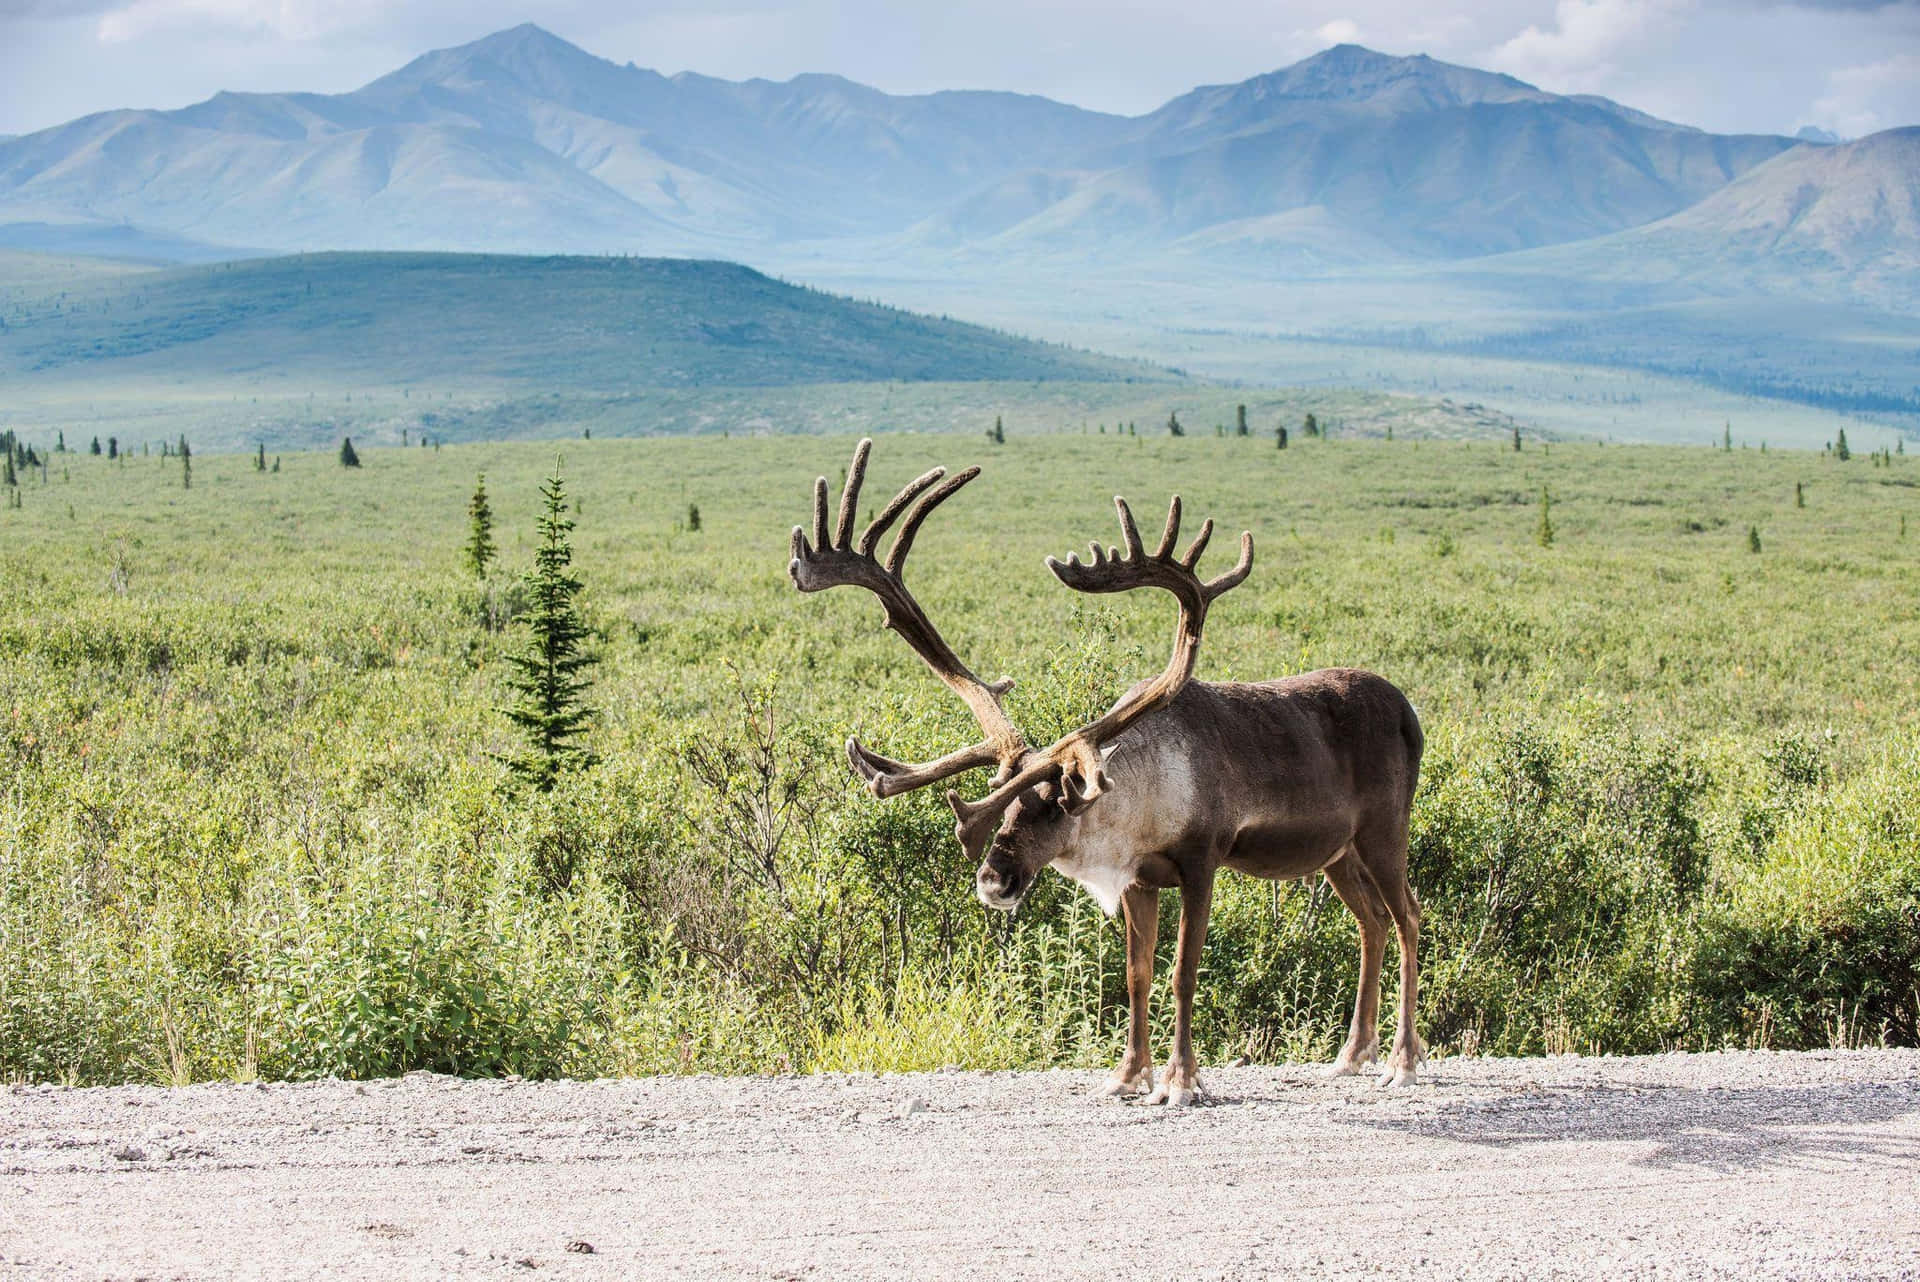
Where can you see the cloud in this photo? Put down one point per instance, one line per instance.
(1580, 49)
(1869, 98)
(51, 9)
(1341, 31)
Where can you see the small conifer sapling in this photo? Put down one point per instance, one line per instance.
(479, 550)
(348, 456)
(547, 678)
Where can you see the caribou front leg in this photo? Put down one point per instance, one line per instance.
(1141, 906)
(1181, 1083)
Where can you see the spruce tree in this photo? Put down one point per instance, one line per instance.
(186, 463)
(95, 447)
(1240, 420)
(546, 679)
(347, 456)
(1173, 425)
(1753, 538)
(693, 517)
(1516, 438)
(60, 445)
(1310, 426)
(1726, 437)
(997, 434)
(113, 447)
(260, 457)
(1799, 494)
(1543, 532)
(1840, 450)
(479, 549)
(11, 479)
(1280, 437)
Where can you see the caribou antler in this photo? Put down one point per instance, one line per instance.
(1076, 757)
(835, 560)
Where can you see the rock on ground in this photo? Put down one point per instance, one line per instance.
(1731, 1165)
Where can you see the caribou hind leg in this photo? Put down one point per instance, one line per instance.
(1355, 887)
(1408, 1050)
(1383, 857)
(1141, 906)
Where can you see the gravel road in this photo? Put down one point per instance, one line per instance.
(1732, 1165)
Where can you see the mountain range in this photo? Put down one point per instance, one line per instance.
(521, 142)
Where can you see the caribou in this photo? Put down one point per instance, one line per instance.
(1180, 778)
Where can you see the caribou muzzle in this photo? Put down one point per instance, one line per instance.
(1002, 884)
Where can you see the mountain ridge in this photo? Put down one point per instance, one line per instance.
(523, 142)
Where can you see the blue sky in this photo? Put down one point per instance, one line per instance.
(1852, 66)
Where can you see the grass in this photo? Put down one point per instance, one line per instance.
(251, 823)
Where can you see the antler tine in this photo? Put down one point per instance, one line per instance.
(1172, 531)
(1128, 530)
(1237, 575)
(1192, 558)
(820, 514)
(903, 543)
(850, 493)
(891, 512)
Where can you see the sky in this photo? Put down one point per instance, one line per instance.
(1849, 66)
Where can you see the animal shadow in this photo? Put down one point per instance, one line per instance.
(1720, 1129)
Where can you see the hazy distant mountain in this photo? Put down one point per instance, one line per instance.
(1361, 152)
(1839, 223)
(522, 142)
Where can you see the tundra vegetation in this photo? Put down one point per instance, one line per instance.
(254, 818)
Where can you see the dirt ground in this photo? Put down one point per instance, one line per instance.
(1735, 1165)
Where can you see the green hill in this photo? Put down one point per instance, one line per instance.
(608, 324)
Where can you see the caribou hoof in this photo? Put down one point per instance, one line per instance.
(1119, 1086)
(1351, 1062)
(1178, 1095)
(1397, 1075)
